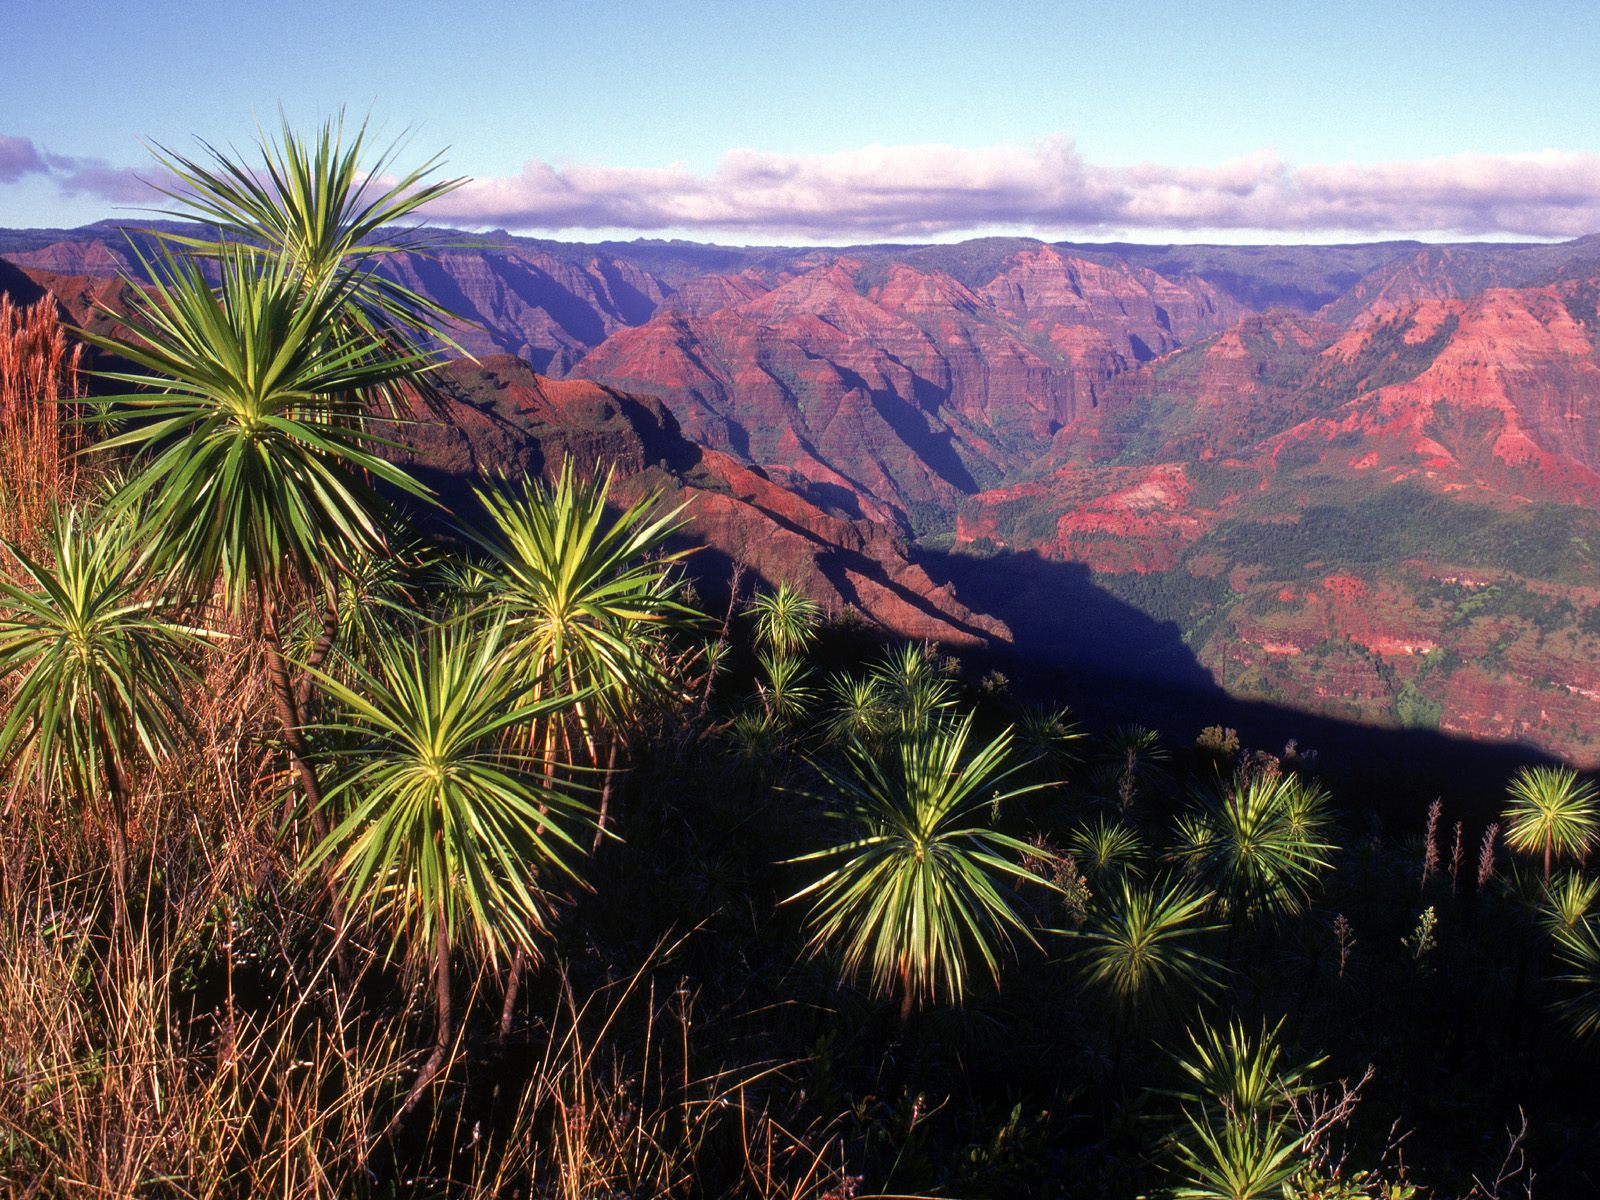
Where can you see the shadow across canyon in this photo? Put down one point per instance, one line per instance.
(1077, 644)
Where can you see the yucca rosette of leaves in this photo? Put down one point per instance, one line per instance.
(1566, 901)
(1259, 845)
(97, 667)
(1231, 1070)
(918, 694)
(786, 692)
(1552, 813)
(249, 424)
(786, 620)
(917, 893)
(1106, 848)
(441, 829)
(1238, 1159)
(1144, 945)
(1240, 1138)
(582, 588)
(859, 709)
(327, 206)
(1578, 953)
(101, 665)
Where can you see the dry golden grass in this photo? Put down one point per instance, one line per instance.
(110, 1090)
(610, 1110)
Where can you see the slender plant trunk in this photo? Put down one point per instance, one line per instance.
(284, 700)
(442, 1006)
(605, 796)
(328, 615)
(514, 973)
(734, 583)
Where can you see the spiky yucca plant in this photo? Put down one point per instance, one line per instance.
(587, 595)
(250, 425)
(786, 620)
(859, 709)
(1552, 813)
(918, 694)
(916, 894)
(1230, 1069)
(254, 470)
(1567, 900)
(579, 585)
(1048, 734)
(1106, 848)
(1144, 945)
(1578, 952)
(1258, 844)
(328, 206)
(98, 665)
(1239, 1141)
(1236, 1159)
(442, 831)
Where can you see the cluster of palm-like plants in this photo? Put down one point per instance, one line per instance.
(1555, 815)
(249, 419)
(786, 621)
(453, 725)
(256, 485)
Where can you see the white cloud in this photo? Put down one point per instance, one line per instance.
(925, 190)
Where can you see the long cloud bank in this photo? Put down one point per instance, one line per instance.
(932, 190)
(918, 191)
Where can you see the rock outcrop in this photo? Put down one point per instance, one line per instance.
(505, 419)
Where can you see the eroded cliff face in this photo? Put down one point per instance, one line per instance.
(503, 419)
(1393, 520)
(1380, 499)
(895, 391)
(546, 309)
(506, 419)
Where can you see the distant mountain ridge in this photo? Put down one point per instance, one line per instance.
(1361, 479)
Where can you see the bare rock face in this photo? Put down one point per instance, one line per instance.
(896, 389)
(507, 419)
(96, 258)
(1392, 520)
(87, 301)
(535, 305)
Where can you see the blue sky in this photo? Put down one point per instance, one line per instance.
(833, 121)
